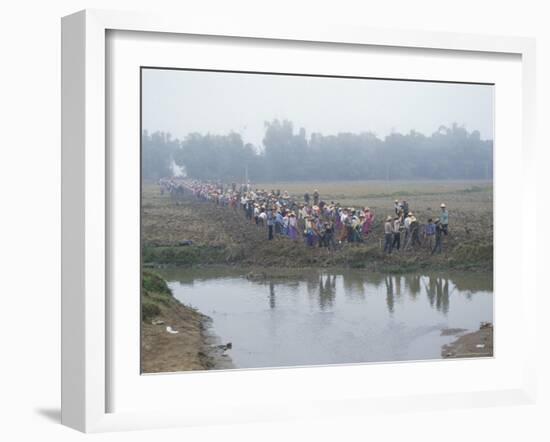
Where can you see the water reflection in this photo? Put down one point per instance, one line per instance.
(327, 291)
(442, 295)
(272, 303)
(389, 293)
(354, 286)
(413, 284)
(323, 287)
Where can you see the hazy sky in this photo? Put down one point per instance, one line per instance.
(181, 102)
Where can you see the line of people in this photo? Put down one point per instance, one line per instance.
(316, 222)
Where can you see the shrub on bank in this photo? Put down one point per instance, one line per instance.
(154, 293)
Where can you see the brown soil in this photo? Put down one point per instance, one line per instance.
(471, 345)
(162, 351)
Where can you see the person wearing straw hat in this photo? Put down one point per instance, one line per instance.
(262, 217)
(444, 219)
(292, 226)
(356, 225)
(407, 225)
(285, 223)
(388, 231)
(397, 207)
(415, 231)
(343, 225)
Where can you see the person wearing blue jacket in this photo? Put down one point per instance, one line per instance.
(429, 234)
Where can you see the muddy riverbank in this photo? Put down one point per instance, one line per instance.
(197, 233)
(471, 345)
(175, 337)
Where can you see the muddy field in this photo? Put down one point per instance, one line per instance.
(195, 233)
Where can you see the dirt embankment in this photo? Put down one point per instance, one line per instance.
(174, 337)
(201, 233)
(471, 345)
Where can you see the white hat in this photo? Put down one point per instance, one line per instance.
(442, 205)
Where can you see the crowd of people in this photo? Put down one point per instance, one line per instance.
(317, 222)
(405, 223)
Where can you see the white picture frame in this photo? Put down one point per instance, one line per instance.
(86, 205)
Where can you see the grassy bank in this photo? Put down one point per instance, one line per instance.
(161, 351)
(472, 257)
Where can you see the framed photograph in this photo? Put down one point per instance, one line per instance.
(249, 213)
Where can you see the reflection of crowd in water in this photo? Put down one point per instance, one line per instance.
(317, 222)
(436, 288)
(324, 288)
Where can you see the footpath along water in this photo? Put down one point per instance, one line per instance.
(325, 317)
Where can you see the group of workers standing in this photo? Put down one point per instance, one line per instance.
(316, 222)
(404, 222)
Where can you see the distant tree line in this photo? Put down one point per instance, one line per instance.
(287, 154)
(157, 152)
